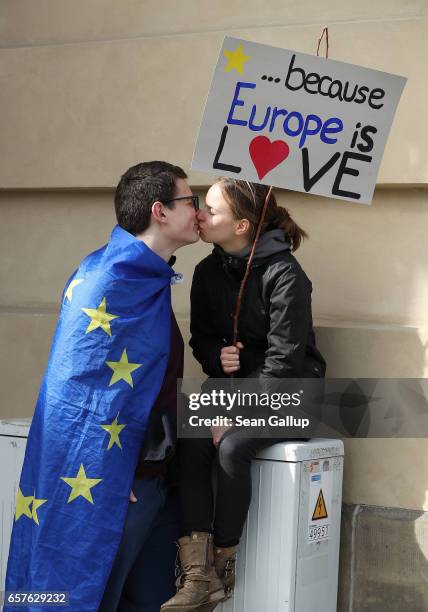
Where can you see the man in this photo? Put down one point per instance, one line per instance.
(104, 421)
(143, 572)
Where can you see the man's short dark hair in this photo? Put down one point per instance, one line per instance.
(139, 187)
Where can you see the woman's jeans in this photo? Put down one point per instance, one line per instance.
(142, 577)
(231, 461)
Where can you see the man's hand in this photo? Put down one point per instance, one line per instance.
(229, 357)
(132, 497)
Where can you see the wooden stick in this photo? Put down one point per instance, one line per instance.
(247, 271)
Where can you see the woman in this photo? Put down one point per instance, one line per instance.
(276, 339)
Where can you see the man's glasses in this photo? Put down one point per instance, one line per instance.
(194, 198)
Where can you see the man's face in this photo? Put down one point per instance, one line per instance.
(183, 224)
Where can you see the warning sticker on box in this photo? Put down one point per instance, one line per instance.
(319, 503)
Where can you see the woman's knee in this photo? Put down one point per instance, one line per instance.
(234, 452)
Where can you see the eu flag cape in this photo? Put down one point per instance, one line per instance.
(105, 370)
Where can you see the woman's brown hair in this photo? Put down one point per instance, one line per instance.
(246, 202)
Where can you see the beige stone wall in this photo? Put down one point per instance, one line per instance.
(87, 89)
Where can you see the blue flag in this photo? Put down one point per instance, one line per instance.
(105, 370)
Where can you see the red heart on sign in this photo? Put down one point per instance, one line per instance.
(266, 155)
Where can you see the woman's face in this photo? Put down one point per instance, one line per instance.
(216, 222)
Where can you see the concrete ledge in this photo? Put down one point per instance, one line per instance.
(383, 560)
(47, 22)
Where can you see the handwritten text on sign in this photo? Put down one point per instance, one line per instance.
(297, 121)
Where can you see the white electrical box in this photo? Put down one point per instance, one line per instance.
(13, 439)
(288, 558)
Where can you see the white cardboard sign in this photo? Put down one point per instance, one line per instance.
(296, 121)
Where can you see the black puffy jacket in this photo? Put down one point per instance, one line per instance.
(275, 324)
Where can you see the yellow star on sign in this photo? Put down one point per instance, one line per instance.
(36, 504)
(114, 430)
(80, 485)
(99, 318)
(69, 292)
(122, 369)
(236, 59)
(23, 504)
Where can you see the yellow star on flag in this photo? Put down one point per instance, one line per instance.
(236, 59)
(36, 504)
(23, 504)
(71, 286)
(80, 485)
(99, 318)
(114, 430)
(122, 369)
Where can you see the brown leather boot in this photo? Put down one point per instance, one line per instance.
(224, 563)
(199, 583)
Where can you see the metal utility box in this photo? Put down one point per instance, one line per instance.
(288, 558)
(13, 439)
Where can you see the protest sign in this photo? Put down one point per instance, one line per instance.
(296, 121)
